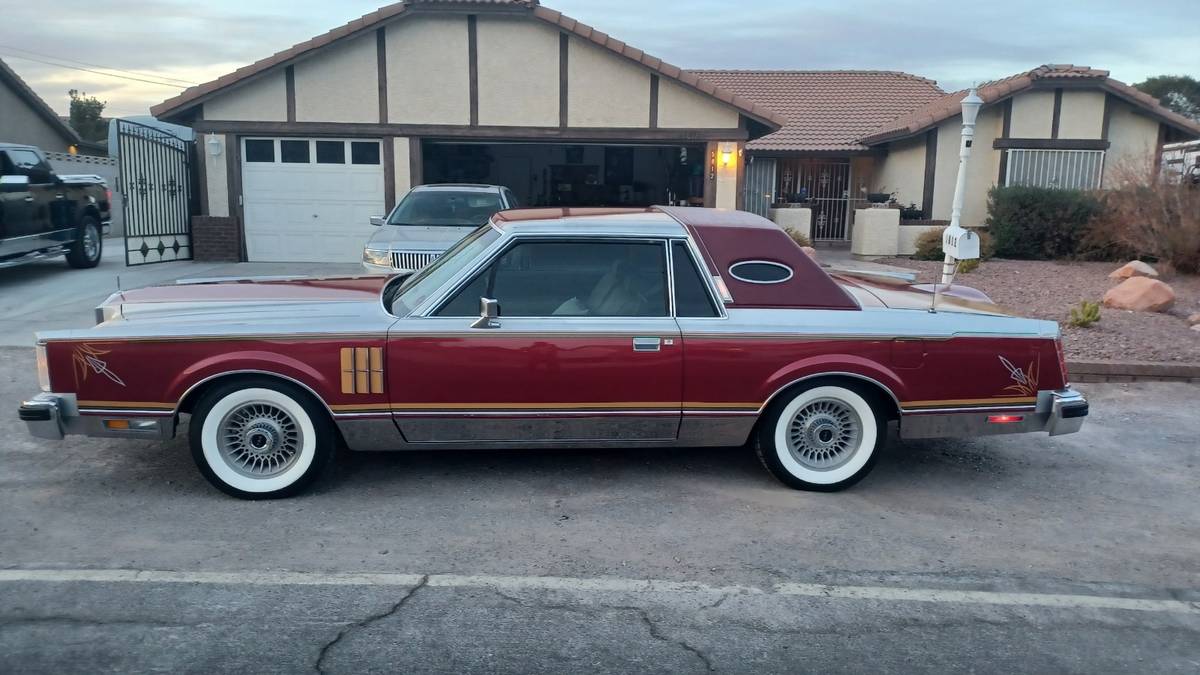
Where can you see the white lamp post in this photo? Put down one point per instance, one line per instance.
(958, 242)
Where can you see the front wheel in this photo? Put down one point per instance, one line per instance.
(823, 438)
(260, 439)
(88, 246)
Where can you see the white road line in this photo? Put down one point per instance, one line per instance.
(602, 585)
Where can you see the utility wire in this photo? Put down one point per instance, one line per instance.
(94, 65)
(98, 72)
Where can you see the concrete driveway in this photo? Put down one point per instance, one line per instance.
(48, 295)
(1073, 554)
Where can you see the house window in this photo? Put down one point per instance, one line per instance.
(1060, 169)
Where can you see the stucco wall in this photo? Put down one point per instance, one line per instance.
(403, 168)
(20, 124)
(1082, 114)
(982, 171)
(902, 171)
(1132, 139)
(604, 90)
(428, 71)
(679, 106)
(1032, 114)
(341, 84)
(215, 175)
(518, 72)
(263, 99)
(906, 237)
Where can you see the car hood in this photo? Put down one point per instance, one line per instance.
(252, 305)
(418, 237)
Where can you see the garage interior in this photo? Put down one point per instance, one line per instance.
(575, 174)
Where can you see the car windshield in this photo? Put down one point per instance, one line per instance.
(420, 286)
(446, 208)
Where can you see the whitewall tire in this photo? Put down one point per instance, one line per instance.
(824, 437)
(260, 439)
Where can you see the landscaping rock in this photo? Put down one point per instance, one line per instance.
(1140, 294)
(1194, 320)
(812, 252)
(1196, 328)
(1133, 268)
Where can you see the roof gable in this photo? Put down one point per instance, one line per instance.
(36, 104)
(826, 111)
(195, 95)
(948, 106)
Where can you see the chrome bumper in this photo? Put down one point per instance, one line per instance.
(1057, 412)
(55, 416)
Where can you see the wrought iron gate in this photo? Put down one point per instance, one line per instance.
(825, 186)
(760, 185)
(157, 195)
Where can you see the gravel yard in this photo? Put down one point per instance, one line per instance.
(1048, 290)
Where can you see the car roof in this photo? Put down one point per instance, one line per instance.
(592, 221)
(459, 187)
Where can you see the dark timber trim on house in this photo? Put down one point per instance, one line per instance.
(388, 157)
(458, 131)
(1005, 132)
(1050, 144)
(381, 71)
(564, 50)
(930, 172)
(473, 66)
(289, 81)
(1056, 116)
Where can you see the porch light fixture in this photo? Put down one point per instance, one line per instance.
(214, 146)
(958, 242)
(727, 151)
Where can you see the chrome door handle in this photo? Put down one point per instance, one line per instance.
(29, 199)
(60, 196)
(647, 344)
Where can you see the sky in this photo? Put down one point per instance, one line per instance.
(957, 43)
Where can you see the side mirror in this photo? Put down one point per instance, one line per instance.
(377, 220)
(489, 314)
(14, 183)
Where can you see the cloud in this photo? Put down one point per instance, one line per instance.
(953, 42)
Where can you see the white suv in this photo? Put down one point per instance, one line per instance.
(429, 220)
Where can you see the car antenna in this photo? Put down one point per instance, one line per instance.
(936, 285)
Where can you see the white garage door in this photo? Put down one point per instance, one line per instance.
(310, 200)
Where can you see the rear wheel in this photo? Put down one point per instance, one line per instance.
(823, 438)
(260, 439)
(88, 246)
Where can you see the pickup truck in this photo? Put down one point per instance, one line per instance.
(43, 214)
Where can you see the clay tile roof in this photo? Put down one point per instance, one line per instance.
(948, 106)
(746, 106)
(826, 111)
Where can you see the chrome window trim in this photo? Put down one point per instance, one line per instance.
(509, 240)
(770, 263)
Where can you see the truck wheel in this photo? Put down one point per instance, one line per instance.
(260, 438)
(823, 438)
(88, 246)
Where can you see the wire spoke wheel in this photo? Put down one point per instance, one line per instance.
(259, 439)
(824, 434)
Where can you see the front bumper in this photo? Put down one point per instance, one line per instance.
(1056, 413)
(55, 416)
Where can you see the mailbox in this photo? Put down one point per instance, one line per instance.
(960, 243)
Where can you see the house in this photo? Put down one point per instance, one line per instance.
(25, 118)
(301, 148)
(1058, 126)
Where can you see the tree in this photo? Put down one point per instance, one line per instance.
(85, 116)
(1180, 93)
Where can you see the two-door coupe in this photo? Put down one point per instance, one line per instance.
(558, 328)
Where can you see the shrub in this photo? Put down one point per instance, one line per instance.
(1086, 314)
(929, 245)
(1041, 223)
(1148, 216)
(968, 266)
(800, 238)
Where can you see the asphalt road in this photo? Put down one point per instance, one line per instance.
(1071, 554)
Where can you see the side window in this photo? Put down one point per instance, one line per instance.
(27, 163)
(691, 295)
(510, 198)
(6, 167)
(571, 278)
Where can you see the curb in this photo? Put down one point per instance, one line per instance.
(1133, 371)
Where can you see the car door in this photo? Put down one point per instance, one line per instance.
(45, 196)
(584, 350)
(16, 211)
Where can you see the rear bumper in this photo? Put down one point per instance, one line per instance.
(1056, 413)
(55, 416)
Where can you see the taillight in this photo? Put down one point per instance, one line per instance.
(108, 196)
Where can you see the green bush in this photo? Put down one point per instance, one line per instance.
(798, 237)
(968, 266)
(929, 245)
(1041, 223)
(1086, 314)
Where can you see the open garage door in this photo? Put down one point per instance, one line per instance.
(310, 200)
(580, 174)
